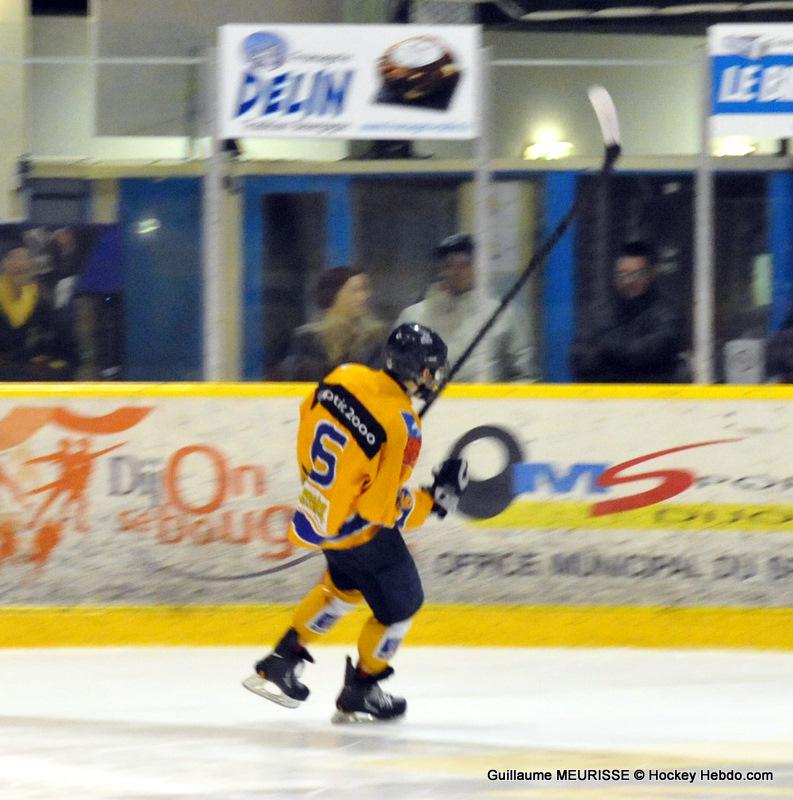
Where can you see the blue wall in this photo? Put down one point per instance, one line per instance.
(162, 279)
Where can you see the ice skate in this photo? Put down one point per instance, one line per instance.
(362, 699)
(276, 676)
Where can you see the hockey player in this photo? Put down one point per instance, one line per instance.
(358, 441)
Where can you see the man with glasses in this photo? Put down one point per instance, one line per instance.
(635, 336)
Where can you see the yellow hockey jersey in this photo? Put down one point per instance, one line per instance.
(357, 444)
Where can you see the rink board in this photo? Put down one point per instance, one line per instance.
(629, 515)
(454, 625)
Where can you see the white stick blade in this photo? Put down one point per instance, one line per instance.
(606, 113)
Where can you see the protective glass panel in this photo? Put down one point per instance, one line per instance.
(51, 37)
(306, 290)
(744, 276)
(60, 107)
(149, 100)
(634, 261)
(185, 28)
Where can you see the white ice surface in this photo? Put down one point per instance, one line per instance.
(145, 723)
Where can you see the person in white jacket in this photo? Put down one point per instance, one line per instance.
(451, 307)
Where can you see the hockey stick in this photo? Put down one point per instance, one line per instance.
(609, 126)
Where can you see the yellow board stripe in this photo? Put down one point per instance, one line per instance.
(702, 517)
(437, 624)
(134, 391)
(472, 391)
(590, 391)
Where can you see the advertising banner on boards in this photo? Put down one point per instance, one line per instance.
(349, 81)
(164, 495)
(751, 80)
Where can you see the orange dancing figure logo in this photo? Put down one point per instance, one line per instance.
(11, 485)
(76, 464)
(75, 461)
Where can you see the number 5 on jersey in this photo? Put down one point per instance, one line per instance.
(323, 460)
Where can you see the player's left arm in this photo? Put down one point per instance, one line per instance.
(415, 505)
(388, 502)
(442, 498)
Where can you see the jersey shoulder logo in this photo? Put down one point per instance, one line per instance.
(413, 446)
(353, 415)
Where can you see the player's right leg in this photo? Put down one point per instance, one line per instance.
(387, 576)
(362, 699)
(277, 676)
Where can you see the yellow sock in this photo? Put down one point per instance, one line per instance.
(378, 643)
(321, 609)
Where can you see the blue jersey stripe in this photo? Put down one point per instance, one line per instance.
(309, 534)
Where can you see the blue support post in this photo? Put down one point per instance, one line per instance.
(559, 284)
(780, 235)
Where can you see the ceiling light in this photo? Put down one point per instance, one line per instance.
(147, 226)
(779, 5)
(733, 146)
(701, 8)
(626, 11)
(547, 150)
(555, 16)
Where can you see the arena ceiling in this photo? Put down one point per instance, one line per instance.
(617, 16)
(626, 16)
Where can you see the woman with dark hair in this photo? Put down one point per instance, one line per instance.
(346, 332)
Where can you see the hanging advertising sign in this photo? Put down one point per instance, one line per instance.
(751, 80)
(349, 81)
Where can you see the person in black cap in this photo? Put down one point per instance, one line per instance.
(346, 332)
(452, 308)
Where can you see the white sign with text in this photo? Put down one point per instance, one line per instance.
(751, 80)
(349, 81)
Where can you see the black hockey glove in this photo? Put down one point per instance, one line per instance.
(451, 478)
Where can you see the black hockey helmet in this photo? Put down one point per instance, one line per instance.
(411, 348)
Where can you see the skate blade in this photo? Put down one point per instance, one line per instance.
(269, 691)
(359, 717)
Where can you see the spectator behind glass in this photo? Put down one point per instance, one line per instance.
(635, 336)
(30, 349)
(346, 332)
(451, 309)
